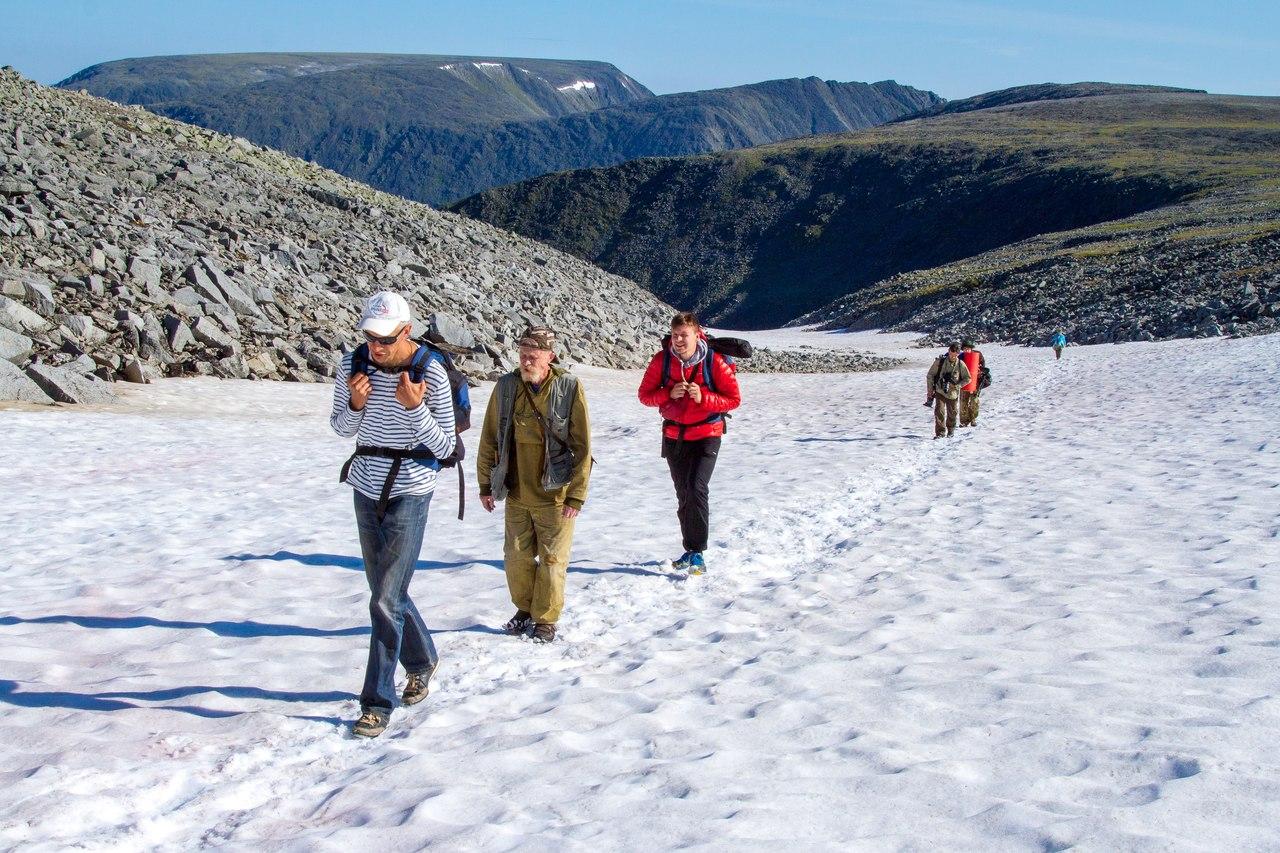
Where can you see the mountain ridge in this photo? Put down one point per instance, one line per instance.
(439, 128)
(767, 234)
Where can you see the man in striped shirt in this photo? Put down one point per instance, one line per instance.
(386, 411)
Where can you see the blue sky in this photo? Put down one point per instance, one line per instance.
(954, 48)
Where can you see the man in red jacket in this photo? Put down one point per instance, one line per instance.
(692, 387)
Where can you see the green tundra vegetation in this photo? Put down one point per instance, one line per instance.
(915, 210)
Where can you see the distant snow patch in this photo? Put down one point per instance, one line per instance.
(577, 86)
(487, 64)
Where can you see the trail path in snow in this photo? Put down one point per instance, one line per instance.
(1057, 628)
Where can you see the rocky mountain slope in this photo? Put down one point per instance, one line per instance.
(769, 234)
(437, 128)
(134, 246)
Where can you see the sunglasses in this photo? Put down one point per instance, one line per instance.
(386, 342)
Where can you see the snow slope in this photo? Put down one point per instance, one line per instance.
(1059, 628)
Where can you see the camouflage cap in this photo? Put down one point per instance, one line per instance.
(538, 337)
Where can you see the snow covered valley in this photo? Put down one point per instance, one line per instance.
(1059, 628)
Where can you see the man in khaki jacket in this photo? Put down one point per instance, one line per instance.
(946, 375)
(535, 451)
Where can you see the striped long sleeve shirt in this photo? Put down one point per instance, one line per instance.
(384, 422)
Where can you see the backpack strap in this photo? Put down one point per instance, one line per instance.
(397, 457)
(360, 360)
(418, 364)
(666, 367)
(418, 373)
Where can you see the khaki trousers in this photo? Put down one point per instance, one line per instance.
(944, 415)
(536, 558)
(968, 407)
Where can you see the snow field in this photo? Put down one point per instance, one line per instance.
(1055, 629)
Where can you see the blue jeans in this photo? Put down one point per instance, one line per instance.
(390, 549)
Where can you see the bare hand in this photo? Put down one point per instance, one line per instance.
(360, 388)
(695, 391)
(679, 390)
(488, 502)
(570, 512)
(408, 392)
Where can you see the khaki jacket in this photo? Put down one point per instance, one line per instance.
(942, 369)
(522, 481)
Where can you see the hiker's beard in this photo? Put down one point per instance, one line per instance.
(533, 373)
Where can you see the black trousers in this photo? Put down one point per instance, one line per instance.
(691, 464)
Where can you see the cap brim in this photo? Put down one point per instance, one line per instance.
(380, 326)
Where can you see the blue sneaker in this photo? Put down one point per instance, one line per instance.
(697, 566)
(683, 562)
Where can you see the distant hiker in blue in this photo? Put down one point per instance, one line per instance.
(394, 397)
(1059, 344)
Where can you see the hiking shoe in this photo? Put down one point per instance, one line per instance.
(683, 562)
(417, 688)
(950, 433)
(544, 632)
(697, 565)
(370, 724)
(519, 623)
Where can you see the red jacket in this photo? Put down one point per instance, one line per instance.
(725, 398)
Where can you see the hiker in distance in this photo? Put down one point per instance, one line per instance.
(1059, 344)
(692, 387)
(402, 417)
(946, 376)
(971, 390)
(535, 452)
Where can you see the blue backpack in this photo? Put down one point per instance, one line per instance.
(459, 389)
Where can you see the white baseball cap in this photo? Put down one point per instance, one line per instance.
(384, 313)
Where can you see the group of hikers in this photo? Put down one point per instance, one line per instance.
(405, 404)
(954, 383)
(398, 399)
(953, 387)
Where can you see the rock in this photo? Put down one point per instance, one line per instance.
(233, 296)
(19, 318)
(133, 371)
(262, 365)
(84, 365)
(67, 386)
(209, 333)
(146, 275)
(178, 333)
(83, 329)
(16, 385)
(231, 367)
(14, 347)
(447, 329)
(35, 290)
(202, 284)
